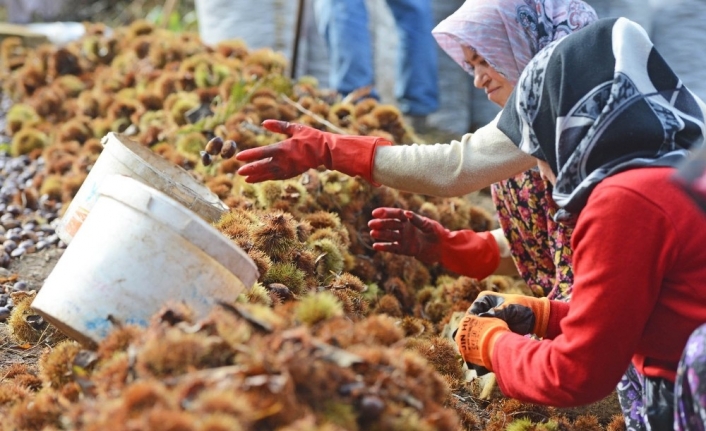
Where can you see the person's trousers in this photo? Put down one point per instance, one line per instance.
(655, 404)
(344, 26)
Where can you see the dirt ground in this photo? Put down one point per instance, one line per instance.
(33, 268)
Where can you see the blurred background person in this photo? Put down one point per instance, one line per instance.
(344, 25)
(266, 24)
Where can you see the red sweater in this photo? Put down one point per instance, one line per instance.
(639, 291)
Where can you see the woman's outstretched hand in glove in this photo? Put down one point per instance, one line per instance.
(464, 252)
(307, 148)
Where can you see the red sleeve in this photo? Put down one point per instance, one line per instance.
(557, 311)
(468, 253)
(622, 244)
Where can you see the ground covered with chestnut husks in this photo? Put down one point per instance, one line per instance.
(333, 336)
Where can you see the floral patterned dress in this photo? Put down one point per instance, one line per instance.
(540, 247)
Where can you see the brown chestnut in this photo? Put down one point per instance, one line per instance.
(205, 158)
(214, 146)
(228, 149)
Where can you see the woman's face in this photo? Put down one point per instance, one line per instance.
(497, 88)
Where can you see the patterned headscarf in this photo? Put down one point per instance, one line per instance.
(508, 33)
(599, 102)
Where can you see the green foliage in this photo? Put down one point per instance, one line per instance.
(176, 22)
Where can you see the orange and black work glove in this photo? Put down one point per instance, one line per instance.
(476, 337)
(464, 252)
(523, 314)
(308, 148)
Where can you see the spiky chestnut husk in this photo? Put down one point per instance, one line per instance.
(481, 220)
(442, 353)
(329, 258)
(70, 85)
(317, 307)
(364, 107)
(348, 281)
(268, 192)
(118, 340)
(11, 393)
(40, 412)
(262, 261)
(276, 236)
(27, 140)
(257, 294)
(389, 305)
(429, 210)
(266, 107)
(323, 219)
(76, 129)
(23, 330)
(220, 185)
(417, 327)
(237, 216)
(268, 59)
(139, 27)
(228, 402)
(236, 48)
(337, 236)
(341, 114)
(384, 135)
(55, 365)
(455, 213)
(111, 374)
(178, 104)
(63, 62)
(463, 288)
(304, 259)
(354, 306)
(71, 185)
(20, 115)
(399, 288)
(172, 352)
(51, 186)
(287, 274)
(29, 381)
(12, 53)
(190, 143)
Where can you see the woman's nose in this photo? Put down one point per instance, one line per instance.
(480, 78)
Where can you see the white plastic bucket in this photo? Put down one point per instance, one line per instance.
(125, 157)
(137, 250)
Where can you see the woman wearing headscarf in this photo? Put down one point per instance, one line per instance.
(608, 121)
(493, 39)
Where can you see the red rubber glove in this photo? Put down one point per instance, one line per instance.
(476, 337)
(309, 148)
(523, 314)
(464, 252)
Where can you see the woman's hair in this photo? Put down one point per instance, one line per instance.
(508, 33)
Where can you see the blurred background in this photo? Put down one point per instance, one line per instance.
(674, 25)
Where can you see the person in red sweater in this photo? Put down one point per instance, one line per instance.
(608, 121)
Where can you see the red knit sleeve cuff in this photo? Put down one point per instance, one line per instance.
(557, 311)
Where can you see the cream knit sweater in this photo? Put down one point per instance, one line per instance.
(460, 167)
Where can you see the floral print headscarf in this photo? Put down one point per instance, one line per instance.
(508, 33)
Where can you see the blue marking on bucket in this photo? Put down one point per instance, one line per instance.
(103, 326)
(135, 321)
(99, 325)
